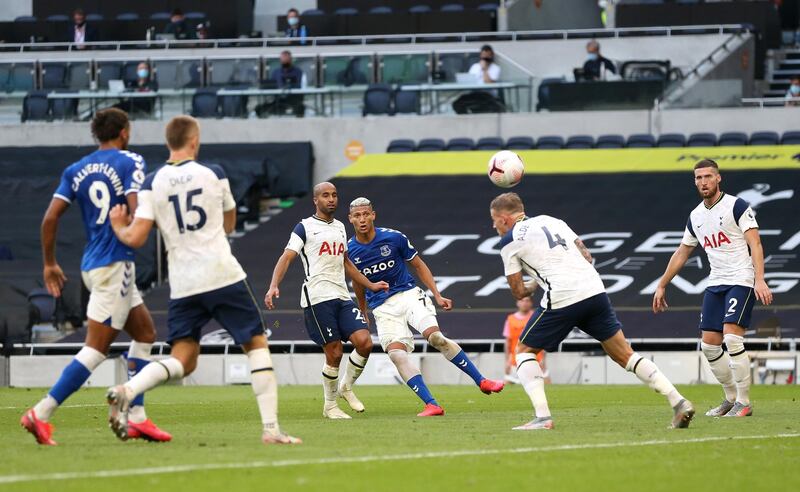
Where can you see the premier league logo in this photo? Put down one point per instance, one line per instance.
(385, 250)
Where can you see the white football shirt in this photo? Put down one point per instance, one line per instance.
(321, 246)
(720, 230)
(187, 200)
(544, 248)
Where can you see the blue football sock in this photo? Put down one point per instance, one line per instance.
(138, 365)
(417, 385)
(71, 380)
(462, 362)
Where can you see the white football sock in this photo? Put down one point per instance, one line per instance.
(138, 350)
(647, 372)
(403, 364)
(90, 359)
(153, 374)
(447, 347)
(265, 387)
(330, 383)
(740, 366)
(530, 375)
(355, 366)
(721, 368)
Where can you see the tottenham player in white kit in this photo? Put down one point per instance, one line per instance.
(330, 314)
(546, 249)
(192, 205)
(728, 231)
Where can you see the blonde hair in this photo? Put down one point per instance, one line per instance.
(508, 202)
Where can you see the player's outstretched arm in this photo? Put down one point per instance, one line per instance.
(361, 298)
(763, 293)
(518, 287)
(277, 277)
(131, 233)
(426, 277)
(54, 277)
(676, 262)
(584, 250)
(358, 278)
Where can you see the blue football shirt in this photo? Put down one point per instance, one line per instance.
(384, 258)
(98, 182)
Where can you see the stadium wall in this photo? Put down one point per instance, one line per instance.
(331, 136)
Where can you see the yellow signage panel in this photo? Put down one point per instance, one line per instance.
(578, 161)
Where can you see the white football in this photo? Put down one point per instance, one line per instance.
(506, 169)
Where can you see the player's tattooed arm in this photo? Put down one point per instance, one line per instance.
(763, 293)
(519, 289)
(584, 250)
(426, 277)
(358, 278)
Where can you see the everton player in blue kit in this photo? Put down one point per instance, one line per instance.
(107, 177)
(381, 254)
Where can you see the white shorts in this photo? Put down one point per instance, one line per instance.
(412, 308)
(113, 293)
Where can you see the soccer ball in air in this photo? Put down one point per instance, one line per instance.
(506, 169)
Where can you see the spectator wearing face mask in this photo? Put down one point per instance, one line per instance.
(145, 82)
(596, 64)
(485, 71)
(295, 29)
(80, 31)
(793, 94)
(179, 26)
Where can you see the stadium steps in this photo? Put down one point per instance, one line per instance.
(268, 208)
(787, 62)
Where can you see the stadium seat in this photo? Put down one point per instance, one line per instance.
(54, 76)
(35, 106)
(401, 145)
(381, 9)
(96, 17)
(404, 68)
(233, 106)
(641, 141)
(310, 12)
(196, 16)
(346, 11)
(430, 145)
(21, 77)
(543, 92)
(550, 142)
(406, 102)
(43, 306)
(452, 7)
(108, 70)
(487, 7)
(25, 18)
(671, 140)
(519, 143)
(489, 143)
(460, 143)
(419, 9)
(732, 138)
(791, 138)
(378, 99)
(129, 75)
(128, 16)
(610, 142)
(579, 142)
(64, 109)
(702, 140)
(764, 138)
(160, 16)
(57, 18)
(204, 103)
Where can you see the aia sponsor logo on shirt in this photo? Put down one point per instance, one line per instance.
(715, 241)
(333, 249)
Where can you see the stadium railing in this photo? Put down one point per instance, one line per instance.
(770, 102)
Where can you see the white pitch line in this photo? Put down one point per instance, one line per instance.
(365, 459)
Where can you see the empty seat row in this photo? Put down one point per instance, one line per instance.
(639, 140)
(126, 16)
(414, 9)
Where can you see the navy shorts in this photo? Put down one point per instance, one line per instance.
(234, 307)
(549, 327)
(726, 304)
(333, 320)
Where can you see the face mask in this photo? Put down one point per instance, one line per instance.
(794, 89)
(593, 56)
(143, 73)
(293, 21)
(487, 59)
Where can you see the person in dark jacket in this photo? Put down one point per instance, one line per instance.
(80, 31)
(596, 65)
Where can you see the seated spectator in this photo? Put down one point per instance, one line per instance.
(596, 65)
(80, 32)
(145, 82)
(179, 26)
(202, 30)
(288, 76)
(793, 94)
(295, 29)
(485, 71)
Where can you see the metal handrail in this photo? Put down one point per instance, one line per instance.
(763, 102)
(316, 41)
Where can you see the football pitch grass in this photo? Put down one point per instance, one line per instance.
(605, 438)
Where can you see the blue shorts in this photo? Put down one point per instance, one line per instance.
(333, 320)
(726, 304)
(549, 327)
(234, 307)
